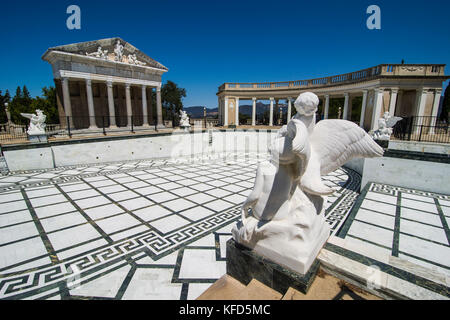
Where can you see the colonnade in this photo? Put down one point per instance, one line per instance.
(111, 108)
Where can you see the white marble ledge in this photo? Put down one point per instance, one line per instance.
(380, 280)
(384, 256)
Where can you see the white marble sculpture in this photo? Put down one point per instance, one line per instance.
(385, 125)
(118, 51)
(184, 121)
(132, 59)
(287, 223)
(37, 122)
(100, 53)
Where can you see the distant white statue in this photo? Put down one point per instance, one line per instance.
(132, 59)
(385, 127)
(100, 53)
(37, 122)
(118, 50)
(184, 120)
(287, 223)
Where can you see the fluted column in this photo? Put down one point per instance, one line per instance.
(271, 112)
(144, 106)
(66, 100)
(159, 113)
(434, 112)
(327, 106)
(225, 122)
(90, 101)
(377, 105)
(393, 102)
(128, 102)
(363, 109)
(345, 115)
(112, 112)
(237, 112)
(254, 112)
(289, 101)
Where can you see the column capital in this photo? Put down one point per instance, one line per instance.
(254, 99)
(158, 89)
(271, 99)
(109, 83)
(438, 91)
(64, 79)
(365, 91)
(346, 94)
(394, 90)
(127, 85)
(327, 96)
(89, 82)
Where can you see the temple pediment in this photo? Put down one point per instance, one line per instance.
(111, 49)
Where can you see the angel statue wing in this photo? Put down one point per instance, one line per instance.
(28, 115)
(390, 122)
(333, 143)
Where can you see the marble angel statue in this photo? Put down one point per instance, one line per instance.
(37, 122)
(385, 127)
(287, 223)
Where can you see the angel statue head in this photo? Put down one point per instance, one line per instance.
(306, 104)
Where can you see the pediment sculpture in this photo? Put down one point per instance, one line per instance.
(118, 55)
(283, 218)
(37, 122)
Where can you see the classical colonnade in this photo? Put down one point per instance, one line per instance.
(401, 90)
(111, 105)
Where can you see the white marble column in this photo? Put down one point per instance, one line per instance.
(434, 112)
(66, 98)
(363, 109)
(377, 105)
(346, 101)
(254, 112)
(144, 106)
(159, 114)
(237, 112)
(393, 102)
(289, 111)
(327, 106)
(128, 102)
(271, 112)
(421, 100)
(90, 101)
(112, 112)
(225, 123)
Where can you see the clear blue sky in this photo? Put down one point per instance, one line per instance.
(207, 43)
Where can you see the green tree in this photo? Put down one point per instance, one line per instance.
(47, 104)
(446, 105)
(4, 99)
(172, 98)
(21, 103)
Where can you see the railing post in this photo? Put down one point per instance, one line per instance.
(411, 120)
(68, 126)
(420, 135)
(132, 124)
(103, 125)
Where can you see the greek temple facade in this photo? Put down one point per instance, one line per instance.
(106, 80)
(401, 89)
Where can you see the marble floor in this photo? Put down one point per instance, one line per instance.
(150, 229)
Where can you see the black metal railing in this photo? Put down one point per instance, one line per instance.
(422, 129)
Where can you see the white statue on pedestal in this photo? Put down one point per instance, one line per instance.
(287, 223)
(184, 120)
(385, 125)
(37, 122)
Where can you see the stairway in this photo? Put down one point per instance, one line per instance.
(324, 287)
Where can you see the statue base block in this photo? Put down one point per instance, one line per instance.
(38, 138)
(244, 265)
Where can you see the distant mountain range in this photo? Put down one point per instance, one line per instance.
(197, 111)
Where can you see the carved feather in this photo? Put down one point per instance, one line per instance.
(338, 141)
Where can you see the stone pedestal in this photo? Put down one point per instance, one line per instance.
(37, 138)
(244, 265)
